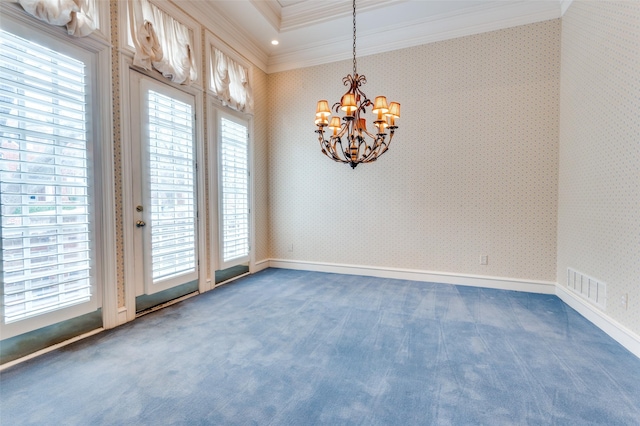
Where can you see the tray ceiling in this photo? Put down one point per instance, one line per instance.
(312, 32)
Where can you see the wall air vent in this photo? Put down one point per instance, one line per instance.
(593, 290)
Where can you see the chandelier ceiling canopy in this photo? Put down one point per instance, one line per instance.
(349, 141)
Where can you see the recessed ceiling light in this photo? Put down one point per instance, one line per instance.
(275, 42)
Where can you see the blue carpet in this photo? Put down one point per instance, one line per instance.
(296, 348)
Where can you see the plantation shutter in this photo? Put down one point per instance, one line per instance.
(234, 176)
(44, 176)
(172, 187)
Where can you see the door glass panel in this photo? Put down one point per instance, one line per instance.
(234, 185)
(171, 175)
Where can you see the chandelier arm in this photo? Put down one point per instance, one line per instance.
(338, 159)
(343, 129)
(339, 153)
(382, 145)
(373, 155)
(330, 149)
(371, 135)
(386, 144)
(332, 155)
(326, 147)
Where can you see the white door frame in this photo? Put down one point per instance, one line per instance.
(215, 109)
(128, 204)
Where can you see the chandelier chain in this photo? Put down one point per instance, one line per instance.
(354, 38)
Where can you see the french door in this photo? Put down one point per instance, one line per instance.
(233, 190)
(164, 186)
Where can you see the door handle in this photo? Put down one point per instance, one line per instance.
(140, 224)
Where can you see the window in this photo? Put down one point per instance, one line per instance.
(230, 89)
(46, 198)
(234, 191)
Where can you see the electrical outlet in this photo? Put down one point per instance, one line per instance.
(484, 259)
(290, 248)
(624, 301)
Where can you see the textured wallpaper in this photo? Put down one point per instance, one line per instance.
(117, 146)
(472, 170)
(260, 165)
(599, 184)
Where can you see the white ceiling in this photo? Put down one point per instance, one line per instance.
(312, 32)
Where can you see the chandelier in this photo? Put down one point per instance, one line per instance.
(350, 142)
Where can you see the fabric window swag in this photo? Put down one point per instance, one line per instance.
(230, 82)
(161, 42)
(77, 15)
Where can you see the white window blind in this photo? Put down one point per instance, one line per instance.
(44, 175)
(234, 185)
(172, 186)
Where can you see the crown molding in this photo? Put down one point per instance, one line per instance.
(475, 20)
(271, 11)
(308, 13)
(215, 22)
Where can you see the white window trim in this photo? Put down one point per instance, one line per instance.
(215, 109)
(172, 10)
(103, 31)
(128, 312)
(105, 259)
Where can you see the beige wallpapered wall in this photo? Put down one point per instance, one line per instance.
(472, 170)
(115, 9)
(260, 166)
(599, 184)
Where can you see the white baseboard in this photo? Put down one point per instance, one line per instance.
(501, 283)
(261, 265)
(617, 331)
(122, 315)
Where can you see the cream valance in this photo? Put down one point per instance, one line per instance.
(161, 42)
(77, 15)
(230, 82)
